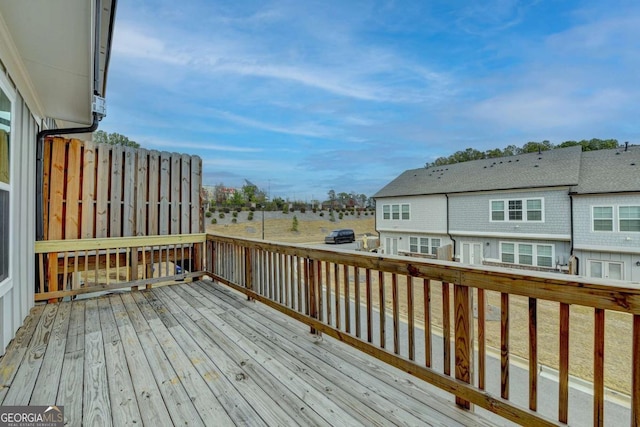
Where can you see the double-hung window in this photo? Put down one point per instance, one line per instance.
(602, 218)
(424, 245)
(517, 210)
(629, 218)
(538, 255)
(396, 212)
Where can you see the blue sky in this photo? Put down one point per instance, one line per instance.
(301, 97)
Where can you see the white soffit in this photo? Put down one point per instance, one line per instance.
(54, 41)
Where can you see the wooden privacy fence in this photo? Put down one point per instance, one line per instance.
(100, 190)
(395, 307)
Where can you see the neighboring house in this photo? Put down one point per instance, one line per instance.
(54, 57)
(517, 211)
(606, 211)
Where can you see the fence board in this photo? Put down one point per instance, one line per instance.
(185, 194)
(165, 176)
(174, 210)
(102, 191)
(154, 192)
(115, 207)
(141, 195)
(72, 213)
(128, 189)
(197, 218)
(88, 190)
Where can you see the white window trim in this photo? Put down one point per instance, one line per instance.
(620, 219)
(505, 210)
(10, 92)
(613, 219)
(419, 245)
(516, 253)
(615, 210)
(390, 206)
(605, 262)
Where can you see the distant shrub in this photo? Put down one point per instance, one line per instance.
(341, 215)
(208, 214)
(294, 224)
(212, 209)
(290, 209)
(314, 210)
(250, 216)
(235, 214)
(252, 209)
(214, 221)
(303, 209)
(321, 213)
(226, 210)
(221, 215)
(234, 220)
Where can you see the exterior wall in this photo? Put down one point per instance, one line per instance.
(471, 212)
(17, 293)
(428, 214)
(584, 236)
(631, 272)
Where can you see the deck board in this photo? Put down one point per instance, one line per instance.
(200, 354)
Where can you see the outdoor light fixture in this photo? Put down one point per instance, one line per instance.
(637, 263)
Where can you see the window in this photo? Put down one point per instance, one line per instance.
(424, 245)
(435, 244)
(527, 254)
(5, 183)
(629, 217)
(534, 210)
(497, 210)
(602, 218)
(606, 270)
(517, 210)
(396, 211)
(405, 211)
(508, 252)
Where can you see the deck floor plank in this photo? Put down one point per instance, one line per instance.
(97, 404)
(150, 400)
(271, 389)
(51, 370)
(161, 396)
(16, 350)
(205, 402)
(201, 354)
(124, 408)
(22, 387)
(70, 393)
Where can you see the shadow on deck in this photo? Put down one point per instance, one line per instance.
(201, 354)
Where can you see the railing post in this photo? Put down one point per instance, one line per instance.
(313, 292)
(133, 266)
(463, 312)
(248, 271)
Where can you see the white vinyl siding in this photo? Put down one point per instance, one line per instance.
(536, 255)
(517, 210)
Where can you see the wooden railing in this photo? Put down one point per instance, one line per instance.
(74, 267)
(397, 308)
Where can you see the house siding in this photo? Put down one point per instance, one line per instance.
(471, 212)
(18, 298)
(607, 240)
(428, 214)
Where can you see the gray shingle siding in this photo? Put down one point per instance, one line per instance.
(471, 212)
(612, 240)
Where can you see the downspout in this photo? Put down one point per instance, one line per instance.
(577, 261)
(448, 232)
(74, 130)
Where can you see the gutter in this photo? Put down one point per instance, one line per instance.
(97, 116)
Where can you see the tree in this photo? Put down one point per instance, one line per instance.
(113, 138)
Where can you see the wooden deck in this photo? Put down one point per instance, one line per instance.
(200, 354)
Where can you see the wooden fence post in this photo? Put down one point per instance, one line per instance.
(248, 271)
(463, 311)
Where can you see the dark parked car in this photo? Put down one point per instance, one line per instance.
(344, 235)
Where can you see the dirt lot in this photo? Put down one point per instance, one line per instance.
(618, 325)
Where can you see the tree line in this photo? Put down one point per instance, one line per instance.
(530, 147)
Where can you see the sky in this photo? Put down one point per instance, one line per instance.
(301, 97)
